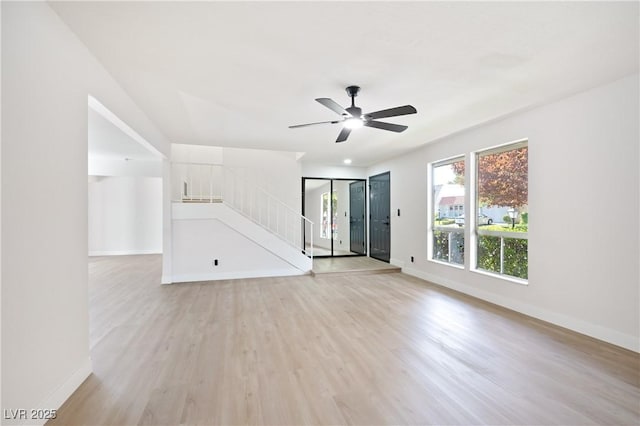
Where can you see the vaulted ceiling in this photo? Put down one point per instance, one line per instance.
(239, 73)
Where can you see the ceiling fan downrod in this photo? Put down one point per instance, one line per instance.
(353, 91)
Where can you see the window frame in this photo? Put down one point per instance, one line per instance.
(431, 213)
(474, 231)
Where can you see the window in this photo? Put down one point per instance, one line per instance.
(502, 200)
(328, 225)
(447, 212)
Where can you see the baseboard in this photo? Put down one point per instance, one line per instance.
(397, 262)
(185, 278)
(593, 330)
(122, 252)
(55, 400)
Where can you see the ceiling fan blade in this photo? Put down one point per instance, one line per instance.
(392, 112)
(344, 134)
(333, 106)
(386, 126)
(313, 124)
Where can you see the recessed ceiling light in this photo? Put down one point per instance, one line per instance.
(347, 161)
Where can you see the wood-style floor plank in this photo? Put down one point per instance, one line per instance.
(333, 349)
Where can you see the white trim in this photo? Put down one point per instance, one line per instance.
(185, 278)
(596, 331)
(503, 234)
(123, 252)
(166, 279)
(397, 262)
(454, 265)
(448, 160)
(446, 228)
(56, 398)
(503, 147)
(500, 276)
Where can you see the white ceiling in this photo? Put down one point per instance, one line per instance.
(107, 141)
(238, 73)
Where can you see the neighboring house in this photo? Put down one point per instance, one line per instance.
(448, 200)
(451, 206)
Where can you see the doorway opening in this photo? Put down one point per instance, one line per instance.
(337, 207)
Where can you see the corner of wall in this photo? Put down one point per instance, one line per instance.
(56, 398)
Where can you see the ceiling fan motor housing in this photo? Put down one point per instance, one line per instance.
(355, 111)
(353, 91)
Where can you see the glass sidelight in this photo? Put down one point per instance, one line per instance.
(337, 207)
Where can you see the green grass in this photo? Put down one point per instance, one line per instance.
(505, 228)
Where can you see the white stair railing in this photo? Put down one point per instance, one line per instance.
(214, 183)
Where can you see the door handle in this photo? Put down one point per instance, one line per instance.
(386, 223)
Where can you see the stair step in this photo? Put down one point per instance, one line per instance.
(357, 272)
(356, 265)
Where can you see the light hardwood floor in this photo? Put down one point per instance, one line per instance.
(354, 349)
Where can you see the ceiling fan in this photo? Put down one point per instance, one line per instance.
(353, 118)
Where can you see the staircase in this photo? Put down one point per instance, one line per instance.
(225, 225)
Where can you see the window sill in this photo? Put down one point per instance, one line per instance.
(501, 277)
(453, 265)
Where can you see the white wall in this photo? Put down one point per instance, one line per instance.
(47, 75)
(278, 172)
(197, 243)
(125, 215)
(182, 153)
(100, 166)
(336, 172)
(583, 261)
(203, 232)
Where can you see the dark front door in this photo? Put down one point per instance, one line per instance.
(380, 223)
(356, 219)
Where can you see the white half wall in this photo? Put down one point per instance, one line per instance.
(47, 75)
(205, 232)
(583, 260)
(125, 215)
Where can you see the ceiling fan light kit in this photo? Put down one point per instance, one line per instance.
(352, 117)
(353, 123)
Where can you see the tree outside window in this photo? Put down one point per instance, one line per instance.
(502, 184)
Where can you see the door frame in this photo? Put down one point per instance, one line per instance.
(366, 205)
(388, 172)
